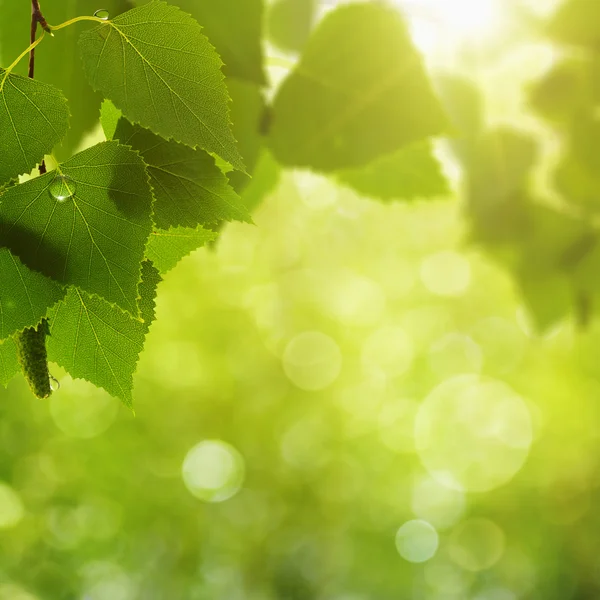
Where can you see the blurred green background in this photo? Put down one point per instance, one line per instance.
(346, 401)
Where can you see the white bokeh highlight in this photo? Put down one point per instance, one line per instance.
(213, 471)
(473, 433)
(417, 541)
(312, 361)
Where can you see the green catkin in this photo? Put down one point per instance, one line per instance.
(31, 351)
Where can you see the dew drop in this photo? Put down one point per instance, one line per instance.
(102, 13)
(62, 188)
(54, 384)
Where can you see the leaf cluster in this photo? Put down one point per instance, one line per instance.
(191, 143)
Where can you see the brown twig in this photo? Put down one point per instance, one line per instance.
(36, 17)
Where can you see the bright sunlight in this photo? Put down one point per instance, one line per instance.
(454, 22)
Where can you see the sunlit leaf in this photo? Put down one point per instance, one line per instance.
(188, 187)
(33, 118)
(9, 365)
(98, 342)
(289, 23)
(247, 113)
(157, 66)
(570, 87)
(25, 295)
(109, 118)
(265, 178)
(369, 97)
(576, 22)
(57, 61)
(235, 29)
(94, 239)
(411, 172)
(167, 247)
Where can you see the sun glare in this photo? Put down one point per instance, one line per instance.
(437, 23)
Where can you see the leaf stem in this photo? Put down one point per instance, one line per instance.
(36, 17)
(76, 20)
(18, 59)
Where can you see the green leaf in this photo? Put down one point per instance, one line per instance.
(499, 167)
(9, 364)
(289, 23)
(109, 118)
(548, 299)
(98, 342)
(25, 295)
(155, 64)
(167, 247)
(577, 176)
(568, 89)
(369, 97)
(95, 239)
(576, 22)
(56, 60)
(462, 102)
(247, 112)
(579, 184)
(264, 181)
(411, 172)
(34, 117)
(235, 29)
(464, 106)
(189, 189)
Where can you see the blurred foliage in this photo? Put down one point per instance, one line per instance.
(353, 400)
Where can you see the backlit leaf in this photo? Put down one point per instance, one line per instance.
(57, 61)
(158, 67)
(576, 22)
(33, 118)
(25, 295)
(95, 239)
(289, 23)
(411, 172)
(167, 247)
(98, 342)
(359, 92)
(189, 189)
(9, 364)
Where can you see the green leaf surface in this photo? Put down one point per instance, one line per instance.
(156, 65)
(34, 117)
(247, 112)
(571, 87)
(265, 178)
(548, 299)
(411, 172)
(25, 295)
(578, 183)
(95, 239)
(57, 60)
(462, 102)
(235, 29)
(576, 22)
(189, 189)
(289, 23)
(360, 91)
(98, 342)
(109, 118)
(9, 364)
(167, 247)
(499, 167)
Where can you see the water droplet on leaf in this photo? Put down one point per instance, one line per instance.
(62, 188)
(102, 13)
(54, 384)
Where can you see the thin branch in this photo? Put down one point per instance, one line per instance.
(36, 17)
